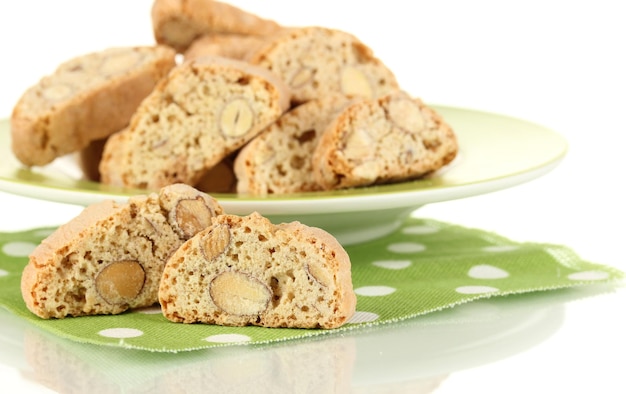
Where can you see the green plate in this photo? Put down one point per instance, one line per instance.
(496, 152)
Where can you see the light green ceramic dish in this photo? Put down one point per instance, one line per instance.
(496, 152)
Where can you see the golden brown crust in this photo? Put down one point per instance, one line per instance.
(85, 99)
(178, 23)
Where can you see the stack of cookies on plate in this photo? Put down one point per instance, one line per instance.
(227, 101)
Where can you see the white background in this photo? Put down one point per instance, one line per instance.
(556, 63)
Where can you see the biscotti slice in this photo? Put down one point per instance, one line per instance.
(279, 160)
(178, 23)
(200, 113)
(87, 98)
(111, 256)
(248, 271)
(232, 46)
(391, 139)
(317, 61)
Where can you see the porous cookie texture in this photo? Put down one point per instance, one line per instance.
(393, 138)
(278, 161)
(248, 271)
(111, 256)
(178, 23)
(86, 98)
(196, 116)
(317, 61)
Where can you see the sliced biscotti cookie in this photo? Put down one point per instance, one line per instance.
(87, 98)
(317, 61)
(393, 138)
(248, 271)
(279, 160)
(196, 116)
(232, 46)
(178, 23)
(110, 257)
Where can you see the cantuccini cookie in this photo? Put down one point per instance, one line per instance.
(390, 139)
(111, 256)
(279, 160)
(248, 271)
(86, 98)
(317, 61)
(200, 113)
(178, 23)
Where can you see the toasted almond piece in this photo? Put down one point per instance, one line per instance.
(355, 83)
(302, 77)
(192, 215)
(236, 118)
(405, 114)
(121, 281)
(239, 294)
(216, 242)
(321, 275)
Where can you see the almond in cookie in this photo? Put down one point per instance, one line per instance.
(203, 111)
(110, 257)
(390, 139)
(247, 271)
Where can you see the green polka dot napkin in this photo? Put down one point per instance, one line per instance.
(422, 267)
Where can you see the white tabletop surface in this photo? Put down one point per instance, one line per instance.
(556, 63)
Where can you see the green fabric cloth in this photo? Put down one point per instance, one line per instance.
(422, 267)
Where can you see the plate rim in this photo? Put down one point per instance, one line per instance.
(349, 200)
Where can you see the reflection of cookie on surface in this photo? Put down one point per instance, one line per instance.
(178, 23)
(391, 139)
(278, 161)
(317, 61)
(200, 113)
(110, 257)
(85, 99)
(248, 271)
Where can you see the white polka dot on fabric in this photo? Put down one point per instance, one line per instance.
(228, 338)
(589, 275)
(121, 332)
(18, 249)
(500, 248)
(392, 264)
(406, 247)
(363, 317)
(476, 289)
(486, 271)
(423, 229)
(3, 272)
(43, 233)
(374, 291)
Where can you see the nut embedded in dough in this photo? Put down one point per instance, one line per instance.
(120, 281)
(355, 83)
(239, 294)
(216, 242)
(191, 216)
(236, 118)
